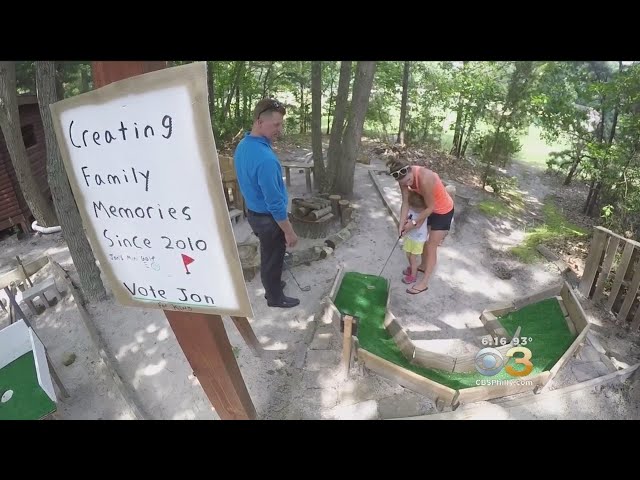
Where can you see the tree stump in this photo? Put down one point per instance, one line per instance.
(342, 204)
(334, 204)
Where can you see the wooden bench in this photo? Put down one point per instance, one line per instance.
(47, 286)
(308, 170)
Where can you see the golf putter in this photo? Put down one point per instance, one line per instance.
(394, 247)
(306, 288)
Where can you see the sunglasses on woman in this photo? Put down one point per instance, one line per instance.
(401, 173)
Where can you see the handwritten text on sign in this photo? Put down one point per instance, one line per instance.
(141, 171)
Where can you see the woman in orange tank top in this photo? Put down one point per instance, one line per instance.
(438, 214)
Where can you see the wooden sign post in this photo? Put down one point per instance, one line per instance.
(142, 162)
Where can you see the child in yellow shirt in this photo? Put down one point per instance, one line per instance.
(414, 240)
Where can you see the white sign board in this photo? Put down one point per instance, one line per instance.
(143, 166)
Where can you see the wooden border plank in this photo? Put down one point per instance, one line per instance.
(636, 320)
(489, 392)
(331, 314)
(336, 282)
(630, 296)
(491, 323)
(407, 378)
(399, 336)
(621, 271)
(346, 345)
(573, 306)
(606, 267)
(570, 351)
(614, 234)
(427, 359)
(567, 317)
(518, 303)
(471, 411)
(592, 263)
(380, 188)
(500, 309)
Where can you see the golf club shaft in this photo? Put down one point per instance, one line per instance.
(389, 257)
(394, 247)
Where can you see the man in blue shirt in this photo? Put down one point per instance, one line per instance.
(259, 175)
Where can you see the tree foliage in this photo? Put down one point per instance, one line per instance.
(471, 109)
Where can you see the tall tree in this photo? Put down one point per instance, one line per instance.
(10, 124)
(316, 121)
(337, 126)
(403, 106)
(353, 131)
(68, 214)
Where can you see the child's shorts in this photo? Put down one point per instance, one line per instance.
(413, 246)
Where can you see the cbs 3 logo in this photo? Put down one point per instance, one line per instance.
(489, 361)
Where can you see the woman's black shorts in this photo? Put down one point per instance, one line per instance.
(440, 221)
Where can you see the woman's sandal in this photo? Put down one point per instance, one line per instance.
(416, 291)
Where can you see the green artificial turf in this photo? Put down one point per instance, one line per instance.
(29, 400)
(365, 296)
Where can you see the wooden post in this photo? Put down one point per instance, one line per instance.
(24, 272)
(334, 204)
(201, 337)
(206, 345)
(307, 175)
(287, 174)
(342, 205)
(346, 345)
(249, 336)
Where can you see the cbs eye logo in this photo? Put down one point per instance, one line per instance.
(489, 361)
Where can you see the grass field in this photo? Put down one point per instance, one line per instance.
(555, 227)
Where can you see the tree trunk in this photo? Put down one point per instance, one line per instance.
(353, 131)
(236, 74)
(572, 170)
(85, 79)
(316, 121)
(302, 108)
(462, 132)
(265, 84)
(472, 127)
(330, 105)
(492, 152)
(10, 125)
(68, 214)
(238, 101)
(594, 199)
(456, 133)
(337, 126)
(589, 195)
(59, 77)
(403, 106)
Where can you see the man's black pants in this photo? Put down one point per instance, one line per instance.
(272, 250)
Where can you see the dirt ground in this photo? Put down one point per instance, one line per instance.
(297, 375)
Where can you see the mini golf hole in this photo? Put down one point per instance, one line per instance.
(6, 396)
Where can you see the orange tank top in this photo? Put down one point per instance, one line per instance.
(443, 201)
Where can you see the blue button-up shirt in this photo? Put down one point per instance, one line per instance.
(259, 175)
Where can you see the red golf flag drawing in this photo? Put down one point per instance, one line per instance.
(186, 259)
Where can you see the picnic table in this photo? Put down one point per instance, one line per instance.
(308, 170)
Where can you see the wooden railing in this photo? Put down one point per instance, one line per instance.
(612, 276)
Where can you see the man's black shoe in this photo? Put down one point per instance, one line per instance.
(286, 302)
(282, 284)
